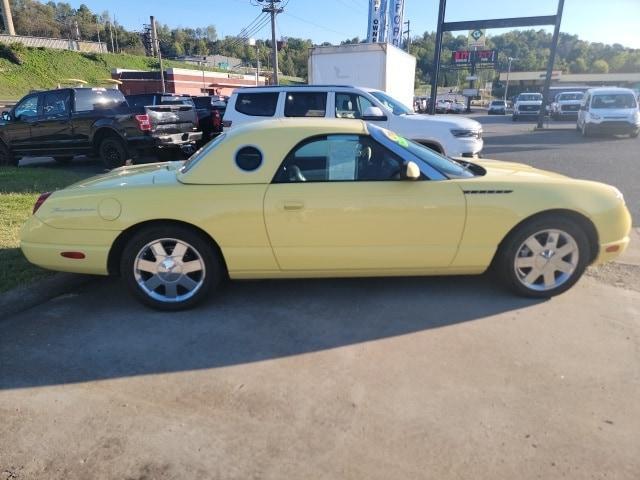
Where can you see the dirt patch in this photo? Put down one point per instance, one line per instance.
(618, 275)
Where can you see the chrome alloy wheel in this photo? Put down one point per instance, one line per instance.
(546, 260)
(169, 270)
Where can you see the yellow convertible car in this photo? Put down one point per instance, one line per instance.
(322, 198)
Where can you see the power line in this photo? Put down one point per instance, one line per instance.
(252, 31)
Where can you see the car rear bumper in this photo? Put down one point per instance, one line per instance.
(43, 246)
(177, 139)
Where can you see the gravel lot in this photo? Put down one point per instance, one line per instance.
(443, 378)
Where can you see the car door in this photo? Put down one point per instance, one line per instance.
(18, 129)
(52, 133)
(337, 203)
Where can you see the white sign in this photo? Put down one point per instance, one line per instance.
(470, 92)
(471, 77)
(376, 32)
(477, 38)
(396, 22)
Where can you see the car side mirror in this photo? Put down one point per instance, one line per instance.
(411, 171)
(374, 114)
(6, 116)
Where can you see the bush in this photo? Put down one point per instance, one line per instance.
(12, 52)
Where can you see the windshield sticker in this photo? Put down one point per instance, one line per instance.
(394, 137)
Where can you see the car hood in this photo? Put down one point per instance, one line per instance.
(530, 102)
(498, 169)
(452, 121)
(136, 175)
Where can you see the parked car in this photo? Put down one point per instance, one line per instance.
(173, 121)
(457, 107)
(210, 110)
(609, 110)
(73, 121)
(566, 105)
(443, 106)
(497, 107)
(454, 137)
(527, 105)
(321, 198)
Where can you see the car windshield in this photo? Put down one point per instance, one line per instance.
(201, 153)
(439, 162)
(531, 97)
(392, 104)
(498, 103)
(614, 100)
(571, 96)
(176, 101)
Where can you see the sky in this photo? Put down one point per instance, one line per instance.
(611, 21)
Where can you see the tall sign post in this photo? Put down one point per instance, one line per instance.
(443, 26)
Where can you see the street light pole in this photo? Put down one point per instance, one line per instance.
(506, 88)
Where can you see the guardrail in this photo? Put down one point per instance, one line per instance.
(55, 43)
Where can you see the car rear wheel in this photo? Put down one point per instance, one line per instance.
(544, 257)
(170, 268)
(113, 152)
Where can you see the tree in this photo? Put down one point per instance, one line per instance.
(600, 66)
(578, 66)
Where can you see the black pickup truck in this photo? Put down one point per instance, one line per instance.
(73, 121)
(173, 120)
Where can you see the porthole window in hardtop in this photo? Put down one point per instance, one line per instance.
(249, 159)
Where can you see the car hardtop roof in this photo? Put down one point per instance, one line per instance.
(279, 88)
(610, 90)
(324, 126)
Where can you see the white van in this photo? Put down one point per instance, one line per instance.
(451, 135)
(609, 110)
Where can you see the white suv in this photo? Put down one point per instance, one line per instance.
(452, 136)
(609, 110)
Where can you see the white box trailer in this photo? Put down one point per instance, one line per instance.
(373, 65)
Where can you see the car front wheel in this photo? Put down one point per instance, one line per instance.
(113, 152)
(170, 267)
(544, 257)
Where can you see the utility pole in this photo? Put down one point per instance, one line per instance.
(408, 32)
(436, 59)
(156, 46)
(273, 10)
(552, 59)
(8, 18)
(506, 88)
(474, 56)
(111, 35)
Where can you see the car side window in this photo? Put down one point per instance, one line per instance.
(339, 158)
(257, 104)
(56, 104)
(305, 104)
(28, 108)
(351, 105)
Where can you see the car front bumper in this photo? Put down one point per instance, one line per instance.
(618, 127)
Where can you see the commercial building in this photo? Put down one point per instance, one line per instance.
(184, 81)
(534, 81)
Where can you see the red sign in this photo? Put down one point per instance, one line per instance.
(466, 57)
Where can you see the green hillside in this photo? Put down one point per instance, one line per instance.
(43, 68)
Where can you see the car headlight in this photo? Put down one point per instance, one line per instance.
(466, 133)
(635, 118)
(595, 116)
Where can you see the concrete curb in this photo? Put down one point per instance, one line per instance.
(25, 297)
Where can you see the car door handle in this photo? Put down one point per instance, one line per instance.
(290, 205)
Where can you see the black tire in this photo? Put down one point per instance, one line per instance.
(7, 159)
(584, 131)
(199, 249)
(514, 118)
(509, 253)
(113, 152)
(64, 160)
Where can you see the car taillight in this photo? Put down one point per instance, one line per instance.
(144, 123)
(41, 199)
(216, 119)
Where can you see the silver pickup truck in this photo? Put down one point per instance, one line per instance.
(172, 119)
